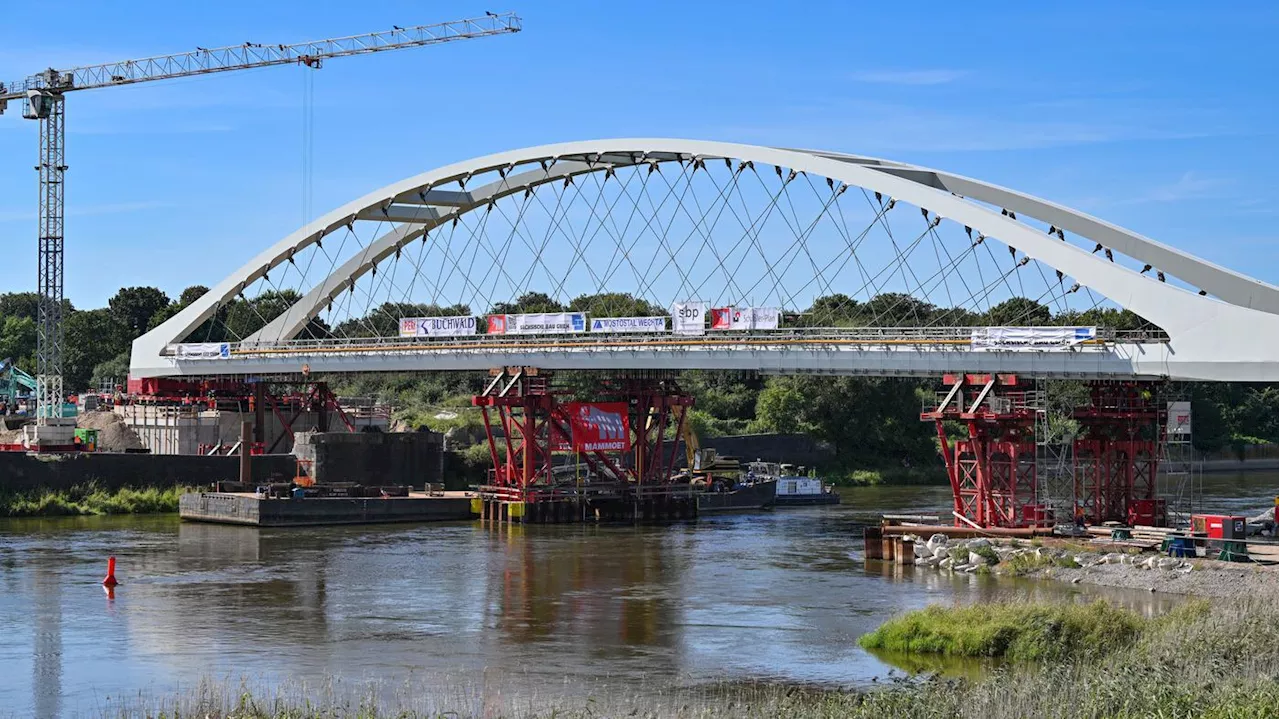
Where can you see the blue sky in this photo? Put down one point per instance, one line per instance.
(1158, 116)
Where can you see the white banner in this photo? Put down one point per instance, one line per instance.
(542, 323)
(1179, 422)
(628, 324)
(437, 326)
(689, 318)
(1030, 339)
(764, 318)
(204, 350)
(745, 318)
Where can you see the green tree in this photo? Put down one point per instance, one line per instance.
(191, 294)
(133, 307)
(1018, 312)
(18, 340)
(91, 338)
(244, 317)
(895, 309)
(613, 304)
(114, 370)
(384, 320)
(836, 310)
(529, 302)
(869, 422)
(27, 304)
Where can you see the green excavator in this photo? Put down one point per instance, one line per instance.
(17, 393)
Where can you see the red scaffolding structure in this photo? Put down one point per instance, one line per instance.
(992, 467)
(1117, 454)
(529, 431)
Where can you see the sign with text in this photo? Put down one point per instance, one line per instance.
(689, 318)
(599, 426)
(204, 350)
(745, 318)
(541, 323)
(438, 326)
(1179, 421)
(1030, 339)
(628, 324)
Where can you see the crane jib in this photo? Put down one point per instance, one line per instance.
(248, 55)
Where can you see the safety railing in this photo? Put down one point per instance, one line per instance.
(941, 337)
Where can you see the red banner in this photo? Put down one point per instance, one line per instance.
(721, 318)
(599, 426)
(497, 324)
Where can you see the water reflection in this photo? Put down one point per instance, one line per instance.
(775, 596)
(46, 665)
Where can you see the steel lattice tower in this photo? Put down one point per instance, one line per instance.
(48, 109)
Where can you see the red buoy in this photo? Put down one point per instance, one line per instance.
(110, 580)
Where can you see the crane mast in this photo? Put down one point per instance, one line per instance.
(43, 98)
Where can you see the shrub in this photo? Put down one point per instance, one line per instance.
(1014, 631)
(91, 499)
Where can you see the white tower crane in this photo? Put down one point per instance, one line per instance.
(42, 95)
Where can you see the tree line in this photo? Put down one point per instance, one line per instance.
(867, 420)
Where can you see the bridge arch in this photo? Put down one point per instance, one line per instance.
(1231, 313)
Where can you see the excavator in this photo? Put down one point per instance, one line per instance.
(17, 388)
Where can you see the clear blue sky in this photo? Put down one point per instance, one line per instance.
(1159, 116)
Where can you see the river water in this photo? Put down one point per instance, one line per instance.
(780, 595)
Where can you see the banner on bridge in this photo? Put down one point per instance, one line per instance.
(438, 326)
(204, 350)
(1030, 339)
(689, 318)
(628, 324)
(745, 318)
(542, 323)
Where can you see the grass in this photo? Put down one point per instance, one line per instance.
(1196, 661)
(895, 476)
(90, 499)
(1018, 631)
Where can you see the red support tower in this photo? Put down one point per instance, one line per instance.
(1117, 454)
(992, 469)
(528, 424)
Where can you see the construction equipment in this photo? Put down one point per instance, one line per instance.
(42, 96)
(16, 387)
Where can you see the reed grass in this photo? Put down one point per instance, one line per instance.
(1196, 661)
(90, 499)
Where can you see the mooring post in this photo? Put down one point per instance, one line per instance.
(246, 439)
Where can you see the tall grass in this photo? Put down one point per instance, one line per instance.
(1017, 631)
(1197, 661)
(90, 499)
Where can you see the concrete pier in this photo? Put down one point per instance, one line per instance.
(251, 510)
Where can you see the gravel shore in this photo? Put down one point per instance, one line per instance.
(1209, 578)
(1078, 563)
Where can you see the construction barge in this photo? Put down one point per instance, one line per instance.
(255, 509)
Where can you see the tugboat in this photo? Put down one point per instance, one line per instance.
(792, 488)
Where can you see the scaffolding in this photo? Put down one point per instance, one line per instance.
(1038, 453)
(544, 471)
(1181, 478)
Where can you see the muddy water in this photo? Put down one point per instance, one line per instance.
(782, 595)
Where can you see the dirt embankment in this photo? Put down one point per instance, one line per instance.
(113, 434)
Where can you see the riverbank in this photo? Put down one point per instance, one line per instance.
(91, 499)
(1199, 660)
(1079, 562)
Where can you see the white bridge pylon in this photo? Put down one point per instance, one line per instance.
(1205, 322)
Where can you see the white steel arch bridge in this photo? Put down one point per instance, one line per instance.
(876, 267)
